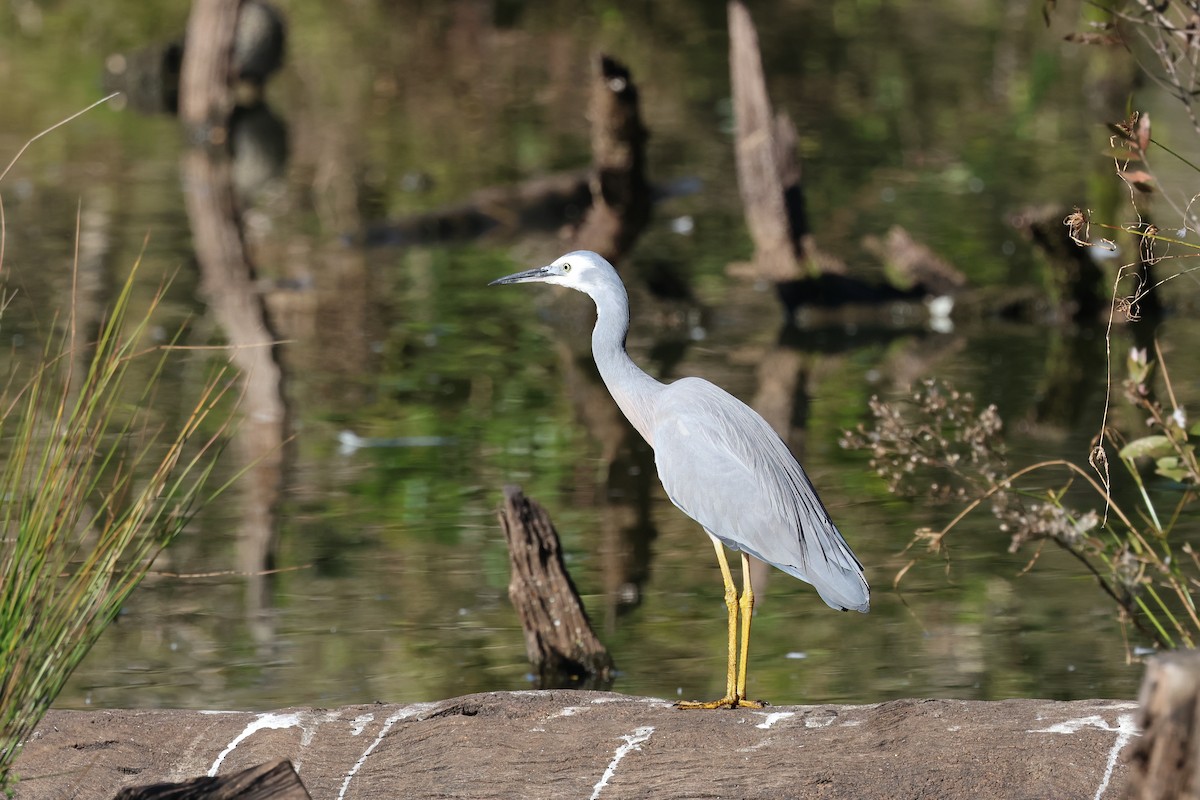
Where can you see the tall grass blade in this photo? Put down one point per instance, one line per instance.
(91, 491)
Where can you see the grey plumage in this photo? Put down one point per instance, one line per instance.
(726, 468)
(719, 461)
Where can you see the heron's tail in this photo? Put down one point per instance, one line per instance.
(848, 592)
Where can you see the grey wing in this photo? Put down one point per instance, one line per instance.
(726, 468)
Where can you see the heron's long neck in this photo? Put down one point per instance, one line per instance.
(634, 390)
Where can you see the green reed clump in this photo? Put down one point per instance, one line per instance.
(935, 443)
(91, 491)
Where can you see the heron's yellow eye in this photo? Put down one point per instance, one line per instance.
(566, 267)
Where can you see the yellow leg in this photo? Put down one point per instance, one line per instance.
(747, 605)
(732, 607)
(735, 680)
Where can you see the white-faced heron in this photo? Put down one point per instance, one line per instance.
(721, 464)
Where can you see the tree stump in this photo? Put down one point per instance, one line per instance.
(563, 649)
(1165, 761)
(620, 193)
(205, 90)
(767, 172)
(1076, 282)
(275, 780)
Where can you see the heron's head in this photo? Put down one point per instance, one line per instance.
(581, 270)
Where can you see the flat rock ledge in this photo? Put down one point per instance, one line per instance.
(565, 744)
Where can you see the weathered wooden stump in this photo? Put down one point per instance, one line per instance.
(275, 780)
(772, 190)
(767, 172)
(563, 649)
(620, 206)
(1076, 282)
(1165, 761)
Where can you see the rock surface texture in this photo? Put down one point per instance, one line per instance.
(564, 744)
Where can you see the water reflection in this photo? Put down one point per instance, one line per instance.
(235, 148)
(406, 596)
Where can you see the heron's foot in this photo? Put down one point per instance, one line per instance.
(724, 702)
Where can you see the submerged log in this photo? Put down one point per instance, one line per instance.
(275, 780)
(604, 208)
(563, 649)
(910, 264)
(832, 291)
(1165, 761)
(541, 204)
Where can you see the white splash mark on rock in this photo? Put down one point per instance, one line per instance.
(632, 742)
(773, 717)
(568, 711)
(1125, 729)
(819, 722)
(269, 721)
(359, 724)
(404, 713)
(656, 702)
(308, 731)
(766, 741)
(1075, 725)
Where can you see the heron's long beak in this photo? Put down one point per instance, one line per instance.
(539, 274)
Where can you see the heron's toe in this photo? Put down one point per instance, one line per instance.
(724, 702)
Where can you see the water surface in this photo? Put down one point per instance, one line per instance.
(396, 573)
